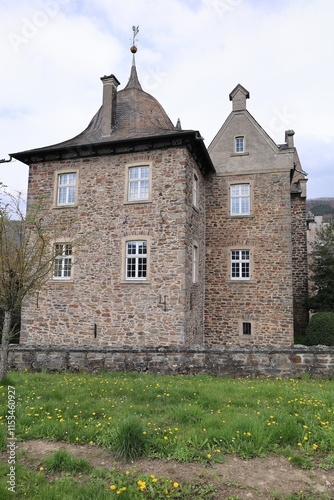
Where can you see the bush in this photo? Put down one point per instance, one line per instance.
(320, 330)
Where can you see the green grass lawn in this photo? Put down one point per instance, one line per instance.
(185, 418)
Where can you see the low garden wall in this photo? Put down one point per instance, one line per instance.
(292, 361)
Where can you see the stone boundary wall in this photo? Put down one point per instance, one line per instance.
(286, 361)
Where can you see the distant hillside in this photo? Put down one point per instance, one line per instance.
(320, 206)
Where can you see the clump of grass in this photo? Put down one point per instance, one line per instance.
(129, 441)
(62, 461)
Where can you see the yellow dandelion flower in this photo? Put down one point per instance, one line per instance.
(175, 485)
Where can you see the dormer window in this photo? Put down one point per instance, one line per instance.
(240, 144)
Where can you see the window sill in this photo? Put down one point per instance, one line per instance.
(65, 206)
(239, 154)
(245, 216)
(135, 282)
(241, 281)
(60, 280)
(137, 202)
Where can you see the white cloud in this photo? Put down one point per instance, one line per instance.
(191, 54)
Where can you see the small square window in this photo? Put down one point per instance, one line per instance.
(239, 144)
(247, 328)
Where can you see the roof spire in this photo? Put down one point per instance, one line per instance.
(133, 80)
(134, 47)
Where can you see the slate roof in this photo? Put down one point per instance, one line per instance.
(138, 114)
(139, 117)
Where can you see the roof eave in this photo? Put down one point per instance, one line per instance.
(95, 149)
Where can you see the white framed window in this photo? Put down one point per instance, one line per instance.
(136, 260)
(240, 144)
(240, 199)
(62, 261)
(139, 183)
(240, 264)
(66, 188)
(195, 264)
(195, 191)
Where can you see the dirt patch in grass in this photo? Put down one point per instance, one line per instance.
(258, 478)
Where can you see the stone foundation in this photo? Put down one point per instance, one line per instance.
(292, 361)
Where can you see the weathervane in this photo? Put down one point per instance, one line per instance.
(135, 33)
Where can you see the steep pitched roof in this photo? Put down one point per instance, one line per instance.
(127, 115)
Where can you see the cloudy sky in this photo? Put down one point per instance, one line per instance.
(191, 54)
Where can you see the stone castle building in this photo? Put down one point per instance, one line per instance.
(170, 242)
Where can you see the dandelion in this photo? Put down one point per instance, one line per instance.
(142, 484)
(112, 487)
(175, 485)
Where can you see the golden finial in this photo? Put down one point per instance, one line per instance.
(135, 33)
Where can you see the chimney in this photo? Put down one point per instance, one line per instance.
(109, 102)
(238, 97)
(289, 138)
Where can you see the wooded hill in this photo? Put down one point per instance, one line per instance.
(320, 206)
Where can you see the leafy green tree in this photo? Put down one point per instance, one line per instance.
(322, 268)
(26, 259)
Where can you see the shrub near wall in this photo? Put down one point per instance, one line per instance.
(286, 361)
(320, 330)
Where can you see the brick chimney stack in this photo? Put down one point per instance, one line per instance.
(109, 102)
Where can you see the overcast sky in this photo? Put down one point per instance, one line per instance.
(191, 54)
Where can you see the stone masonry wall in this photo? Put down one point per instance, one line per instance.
(299, 264)
(98, 306)
(266, 299)
(289, 361)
